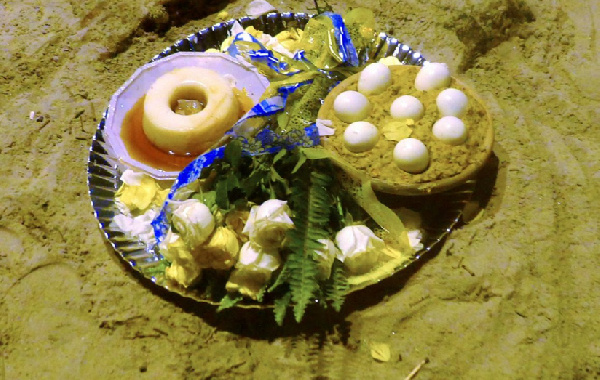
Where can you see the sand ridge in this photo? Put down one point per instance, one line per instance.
(511, 294)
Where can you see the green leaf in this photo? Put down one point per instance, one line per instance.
(229, 301)
(299, 163)
(233, 153)
(316, 153)
(280, 307)
(221, 194)
(310, 201)
(279, 155)
(209, 198)
(337, 286)
(157, 269)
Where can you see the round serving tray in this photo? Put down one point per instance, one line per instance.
(440, 213)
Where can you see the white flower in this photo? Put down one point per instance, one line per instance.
(194, 221)
(255, 258)
(412, 222)
(137, 227)
(253, 270)
(359, 248)
(414, 239)
(268, 223)
(325, 257)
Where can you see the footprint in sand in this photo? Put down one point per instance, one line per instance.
(46, 324)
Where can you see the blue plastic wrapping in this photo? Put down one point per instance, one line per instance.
(266, 141)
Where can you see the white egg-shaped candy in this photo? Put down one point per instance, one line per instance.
(451, 130)
(375, 78)
(411, 155)
(360, 136)
(351, 106)
(407, 107)
(452, 102)
(433, 75)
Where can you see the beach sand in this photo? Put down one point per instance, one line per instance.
(510, 294)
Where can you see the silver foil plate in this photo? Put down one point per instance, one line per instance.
(440, 212)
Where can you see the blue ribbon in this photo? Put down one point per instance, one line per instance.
(266, 141)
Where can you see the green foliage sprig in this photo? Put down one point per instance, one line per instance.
(308, 186)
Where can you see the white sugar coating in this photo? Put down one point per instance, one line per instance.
(407, 107)
(375, 78)
(411, 155)
(450, 130)
(360, 136)
(351, 106)
(452, 102)
(433, 75)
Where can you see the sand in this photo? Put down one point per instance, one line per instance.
(511, 294)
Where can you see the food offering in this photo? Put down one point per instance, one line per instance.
(263, 216)
(173, 109)
(411, 130)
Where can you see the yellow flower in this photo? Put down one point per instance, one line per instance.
(220, 252)
(140, 192)
(236, 220)
(290, 39)
(173, 248)
(183, 275)
(253, 270)
(184, 269)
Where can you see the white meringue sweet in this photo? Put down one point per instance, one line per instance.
(411, 155)
(450, 130)
(452, 102)
(433, 75)
(351, 106)
(407, 107)
(374, 78)
(360, 136)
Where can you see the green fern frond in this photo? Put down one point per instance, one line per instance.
(280, 307)
(229, 301)
(310, 201)
(337, 286)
